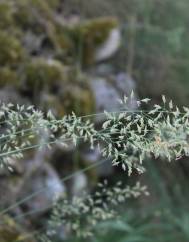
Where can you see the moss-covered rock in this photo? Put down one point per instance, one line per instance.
(64, 39)
(43, 73)
(77, 99)
(77, 42)
(82, 40)
(6, 14)
(96, 30)
(52, 4)
(8, 77)
(11, 232)
(90, 35)
(77, 96)
(25, 19)
(11, 51)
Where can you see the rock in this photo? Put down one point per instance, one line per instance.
(108, 91)
(125, 85)
(32, 42)
(9, 94)
(106, 95)
(110, 46)
(97, 38)
(79, 184)
(93, 156)
(41, 72)
(10, 185)
(35, 177)
(44, 180)
(51, 102)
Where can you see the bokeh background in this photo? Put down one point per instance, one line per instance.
(81, 56)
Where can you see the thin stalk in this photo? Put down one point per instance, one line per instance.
(45, 187)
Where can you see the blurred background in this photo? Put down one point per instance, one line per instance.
(81, 56)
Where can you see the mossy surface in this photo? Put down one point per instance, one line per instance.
(10, 232)
(6, 15)
(96, 30)
(11, 51)
(8, 77)
(78, 100)
(42, 73)
(76, 95)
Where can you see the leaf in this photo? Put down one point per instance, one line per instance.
(157, 106)
(125, 99)
(163, 99)
(132, 95)
(145, 100)
(123, 166)
(171, 104)
(106, 124)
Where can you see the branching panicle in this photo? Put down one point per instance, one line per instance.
(127, 137)
(82, 214)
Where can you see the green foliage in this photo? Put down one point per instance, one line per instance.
(163, 218)
(160, 224)
(161, 52)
